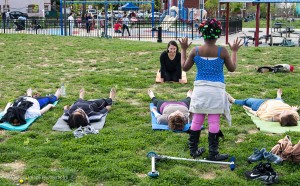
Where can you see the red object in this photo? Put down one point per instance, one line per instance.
(291, 68)
(117, 26)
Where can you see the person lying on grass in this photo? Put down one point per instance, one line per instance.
(270, 109)
(28, 106)
(172, 113)
(84, 112)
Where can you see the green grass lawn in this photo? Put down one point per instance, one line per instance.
(117, 155)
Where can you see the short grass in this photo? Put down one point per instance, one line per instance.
(117, 155)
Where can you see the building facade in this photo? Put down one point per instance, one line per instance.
(34, 8)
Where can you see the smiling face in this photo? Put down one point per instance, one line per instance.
(172, 49)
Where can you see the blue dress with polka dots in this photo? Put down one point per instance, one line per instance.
(209, 69)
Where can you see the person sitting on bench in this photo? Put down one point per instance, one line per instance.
(27, 107)
(83, 112)
(173, 113)
(274, 110)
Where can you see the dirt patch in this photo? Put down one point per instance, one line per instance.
(12, 171)
(74, 61)
(142, 53)
(208, 176)
(252, 131)
(141, 175)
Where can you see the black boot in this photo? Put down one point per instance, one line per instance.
(193, 144)
(213, 140)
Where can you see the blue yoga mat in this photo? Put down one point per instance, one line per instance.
(156, 126)
(23, 127)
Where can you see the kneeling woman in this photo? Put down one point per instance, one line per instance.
(83, 112)
(27, 107)
(170, 65)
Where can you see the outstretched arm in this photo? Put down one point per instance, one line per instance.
(186, 63)
(46, 108)
(231, 63)
(250, 110)
(7, 106)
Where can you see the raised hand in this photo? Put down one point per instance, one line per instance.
(184, 43)
(235, 45)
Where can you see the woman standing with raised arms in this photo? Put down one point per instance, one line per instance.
(209, 95)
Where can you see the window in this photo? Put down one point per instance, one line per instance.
(46, 8)
(33, 8)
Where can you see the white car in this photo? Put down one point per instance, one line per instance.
(93, 12)
(156, 15)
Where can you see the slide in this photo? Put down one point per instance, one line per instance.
(167, 22)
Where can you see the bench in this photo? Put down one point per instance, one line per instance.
(277, 26)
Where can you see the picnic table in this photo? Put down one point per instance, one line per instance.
(277, 26)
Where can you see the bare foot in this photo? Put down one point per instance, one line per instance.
(112, 93)
(151, 94)
(279, 93)
(189, 93)
(230, 98)
(29, 92)
(81, 93)
(58, 93)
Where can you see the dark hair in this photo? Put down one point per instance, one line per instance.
(176, 122)
(77, 120)
(210, 29)
(288, 120)
(174, 44)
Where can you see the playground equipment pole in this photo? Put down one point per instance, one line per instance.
(152, 18)
(61, 18)
(201, 6)
(65, 18)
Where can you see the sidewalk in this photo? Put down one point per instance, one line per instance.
(250, 32)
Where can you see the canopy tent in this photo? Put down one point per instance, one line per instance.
(129, 6)
(257, 3)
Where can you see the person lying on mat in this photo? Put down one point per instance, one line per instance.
(28, 106)
(270, 109)
(173, 113)
(83, 112)
(170, 66)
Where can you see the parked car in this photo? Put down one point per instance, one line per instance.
(17, 14)
(156, 15)
(93, 12)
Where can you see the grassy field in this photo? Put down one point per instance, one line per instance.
(117, 155)
(263, 23)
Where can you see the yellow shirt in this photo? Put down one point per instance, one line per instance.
(271, 108)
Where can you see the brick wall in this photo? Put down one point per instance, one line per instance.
(191, 3)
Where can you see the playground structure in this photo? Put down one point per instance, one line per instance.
(182, 14)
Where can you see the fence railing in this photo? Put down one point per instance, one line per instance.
(139, 30)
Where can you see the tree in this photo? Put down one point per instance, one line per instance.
(211, 6)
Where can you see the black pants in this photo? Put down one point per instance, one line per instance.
(123, 28)
(171, 76)
(158, 102)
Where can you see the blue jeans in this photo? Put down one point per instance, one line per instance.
(43, 101)
(253, 103)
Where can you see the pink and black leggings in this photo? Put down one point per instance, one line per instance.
(213, 122)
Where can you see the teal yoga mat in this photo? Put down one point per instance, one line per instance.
(156, 126)
(8, 126)
(272, 127)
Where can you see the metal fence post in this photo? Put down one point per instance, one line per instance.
(159, 34)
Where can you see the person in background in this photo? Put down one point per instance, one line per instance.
(71, 23)
(125, 22)
(117, 27)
